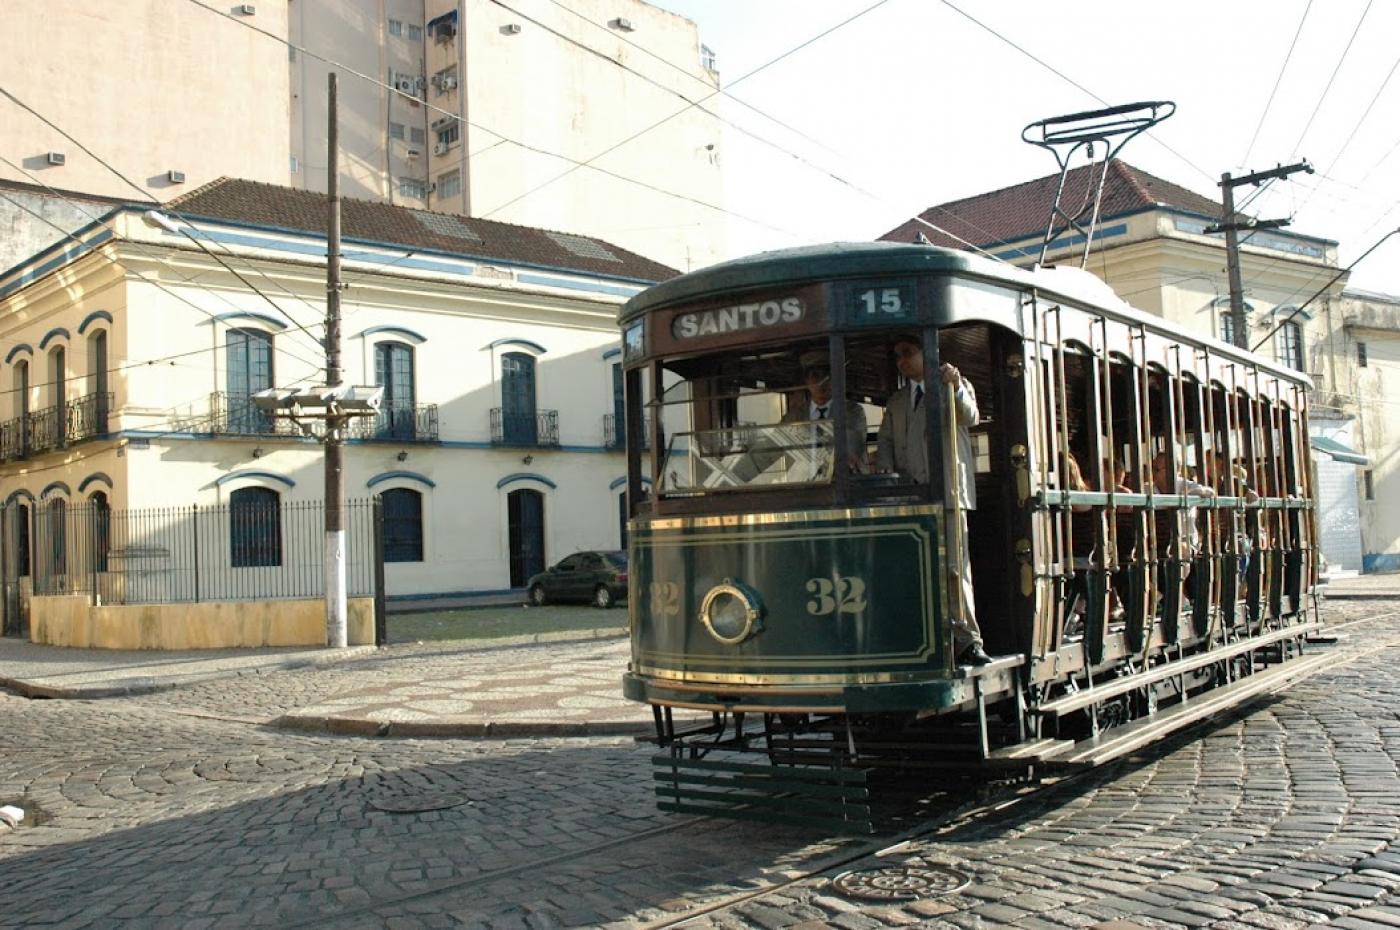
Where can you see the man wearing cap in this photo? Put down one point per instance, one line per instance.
(902, 449)
(816, 378)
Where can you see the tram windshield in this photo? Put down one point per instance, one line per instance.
(768, 417)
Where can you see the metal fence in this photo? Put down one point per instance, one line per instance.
(259, 549)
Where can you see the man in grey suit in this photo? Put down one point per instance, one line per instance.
(816, 377)
(902, 449)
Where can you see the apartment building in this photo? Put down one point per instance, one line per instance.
(478, 109)
(132, 357)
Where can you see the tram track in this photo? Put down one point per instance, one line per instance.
(941, 819)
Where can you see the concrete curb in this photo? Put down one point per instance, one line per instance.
(355, 726)
(39, 687)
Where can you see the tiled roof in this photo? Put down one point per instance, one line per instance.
(263, 204)
(1022, 210)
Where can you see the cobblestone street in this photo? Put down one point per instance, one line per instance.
(181, 809)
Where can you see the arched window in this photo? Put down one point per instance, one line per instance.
(525, 509)
(23, 561)
(403, 525)
(97, 379)
(1290, 345)
(518, 424)
(21, 386)
(101, 529)
(255, 527)
(1227, 327)
(249, 357)
(393, 371)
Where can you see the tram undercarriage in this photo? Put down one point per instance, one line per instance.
(840, 769)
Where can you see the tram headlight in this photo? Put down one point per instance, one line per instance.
(731, 612)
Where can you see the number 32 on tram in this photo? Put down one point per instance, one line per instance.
(1142, 529)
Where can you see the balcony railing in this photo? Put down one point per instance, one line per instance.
(55, 427)
(237, 415)
(615, 432)
(540, 428)
(406, 423)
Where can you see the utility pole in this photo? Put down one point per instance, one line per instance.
(1239, 322)
(336, 623)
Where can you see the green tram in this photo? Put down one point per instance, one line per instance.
(1141, 548)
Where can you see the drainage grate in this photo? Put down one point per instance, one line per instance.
(899, 884)
(418, 803)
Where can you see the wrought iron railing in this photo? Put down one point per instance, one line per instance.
(615, 432)
(55, 427)
(540, 428)
(406, 423)
(238, 415)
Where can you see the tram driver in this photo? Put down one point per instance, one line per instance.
(902, 449)
(816, 381)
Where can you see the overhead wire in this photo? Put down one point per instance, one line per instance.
(165, 208)
(148, 280)
(1277, 81)
(1328, 88)
(302, 50)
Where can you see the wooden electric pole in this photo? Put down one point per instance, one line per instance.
(1239, 322)
(337, 626)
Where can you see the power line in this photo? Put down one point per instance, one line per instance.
(151, 281)
(1277, 81)
(301, 50)
(1308, 125)
(1065, 77)
(142, 191)
(666, 119)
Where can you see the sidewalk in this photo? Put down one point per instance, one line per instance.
(1368, 587)
(569, 686)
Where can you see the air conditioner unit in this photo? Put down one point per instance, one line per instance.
(442, 121)
(175, 177)
(449, 81)
(510, 29)
(441, 148)
(245, 9)
(56, 158)
(621, 24)
(413, 153)
(406, 85)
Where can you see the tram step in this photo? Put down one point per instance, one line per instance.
(810, 795)
(1036, 750)
(1091, 696)
(1122, 740)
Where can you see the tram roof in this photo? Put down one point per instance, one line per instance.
(835, 260)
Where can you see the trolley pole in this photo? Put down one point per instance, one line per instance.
(1239, 321)
(337, 633)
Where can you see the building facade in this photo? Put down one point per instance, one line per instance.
(468, 108)
(132, 359)
(1152, 248)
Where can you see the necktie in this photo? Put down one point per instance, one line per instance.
(821, 413)
(918, 395)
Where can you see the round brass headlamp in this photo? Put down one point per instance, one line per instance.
(730, 612)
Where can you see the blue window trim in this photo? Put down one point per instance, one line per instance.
(249, 315)
(93, 317)
(22, 347)
(18, 495)
(514, 341)
(250, 473)
(406, 475)
(619, 482)
(402, 331)
(526, 476)
(55, 486)
(53, 334)
(94, 478)
(614, 352)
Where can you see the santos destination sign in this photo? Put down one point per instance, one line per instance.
(741, 318)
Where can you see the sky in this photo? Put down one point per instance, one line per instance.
(909, 103)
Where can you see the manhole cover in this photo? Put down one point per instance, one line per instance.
(418, 803)
(896, 884)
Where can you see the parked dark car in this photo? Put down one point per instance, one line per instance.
(598, 578)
